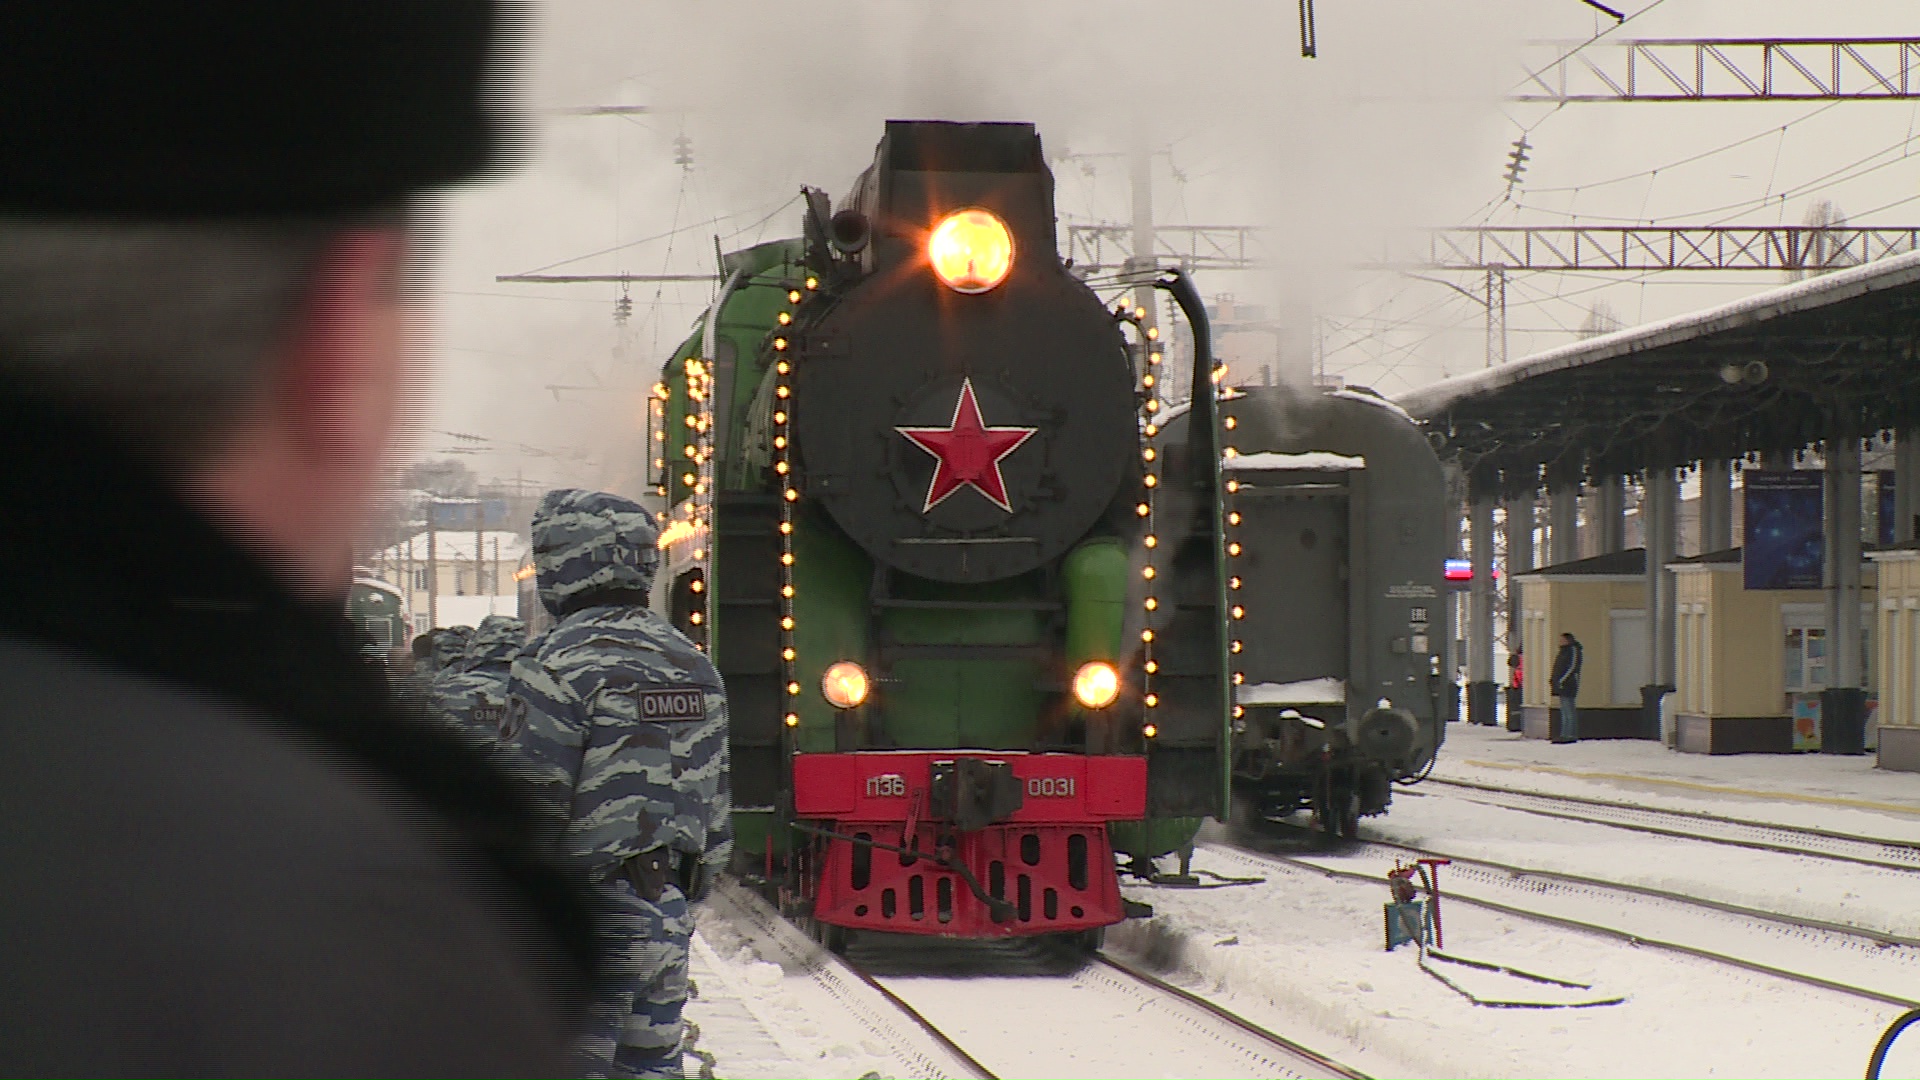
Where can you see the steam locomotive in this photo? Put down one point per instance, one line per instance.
(1336, 548)
(967, 597)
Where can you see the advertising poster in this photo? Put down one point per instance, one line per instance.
(1783, 542)
(1806, 721)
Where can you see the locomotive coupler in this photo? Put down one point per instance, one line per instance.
(973, 794)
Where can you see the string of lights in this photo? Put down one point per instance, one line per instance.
(789, 494)
(1236, 610)
(1147, 340)
(699, 448)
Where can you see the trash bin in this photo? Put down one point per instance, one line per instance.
(1483, 702)
(1650, 698)
(1843, 720)
(1514, 694)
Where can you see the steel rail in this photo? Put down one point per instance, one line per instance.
(1042, 956)
(1598, 928)
(1807, 830)
(1734, 823)
(1878, 937)
(764, 919)
(933, 1031)
(750, 908)
(1231, 1017)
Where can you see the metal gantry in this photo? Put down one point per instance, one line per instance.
(1726, 69)
(1105, 248)
(1695, 247)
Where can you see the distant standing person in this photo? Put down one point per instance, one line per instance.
(623, 727)
(1566, 687)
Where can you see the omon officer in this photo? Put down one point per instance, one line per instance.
(623, 723)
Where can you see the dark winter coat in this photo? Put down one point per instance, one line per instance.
(1566, 670)
(228, 850)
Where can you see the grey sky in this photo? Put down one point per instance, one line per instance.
(1397, 124)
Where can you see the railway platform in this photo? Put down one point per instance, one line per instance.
(1845, 793)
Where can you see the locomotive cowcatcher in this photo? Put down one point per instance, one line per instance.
(970, 621)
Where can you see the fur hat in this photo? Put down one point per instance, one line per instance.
(246, 108)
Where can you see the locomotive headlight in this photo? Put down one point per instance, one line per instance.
(971, 250)
(844, 685)
(1096, 684)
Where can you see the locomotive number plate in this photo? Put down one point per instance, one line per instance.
(1050, 787)
(887, 786)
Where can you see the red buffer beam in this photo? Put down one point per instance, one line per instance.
(1727, 69)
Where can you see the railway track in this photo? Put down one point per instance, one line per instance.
(922, 1049)
(1687, 824)
(987, 1009)
(1880, 967)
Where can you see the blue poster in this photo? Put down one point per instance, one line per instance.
(1886, 508)
(1783, 542)
(469, 513)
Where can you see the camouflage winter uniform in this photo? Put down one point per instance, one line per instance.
(473, 693)
(449, 647)
(624, 730)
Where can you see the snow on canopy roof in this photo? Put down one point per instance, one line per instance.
(469, 610)
(1315, 461)
(1325, 691)
(452, 544)
(1815, 292)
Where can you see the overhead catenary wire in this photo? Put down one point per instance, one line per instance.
(1702, 155)
(1851, 171)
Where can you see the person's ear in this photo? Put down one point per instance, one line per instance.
(343, 371)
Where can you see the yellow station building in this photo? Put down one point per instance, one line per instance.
(1749, 664)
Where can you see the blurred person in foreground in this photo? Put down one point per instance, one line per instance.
(229, 851)
(474, 696)
(622, 726)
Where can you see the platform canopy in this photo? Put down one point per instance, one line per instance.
(1777, 371)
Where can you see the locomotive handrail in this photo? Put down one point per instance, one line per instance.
(709, 355)
(1201, 438)
(1203, 450)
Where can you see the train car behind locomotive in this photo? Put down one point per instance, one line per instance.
(1336, 543)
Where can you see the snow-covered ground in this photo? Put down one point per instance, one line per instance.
(1092, 1023)
(1302, 953)
(773, 1004)
(1848, 894)
(1823, 791)
(1301, 948)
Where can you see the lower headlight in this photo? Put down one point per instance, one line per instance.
(1096, 684)
(844, 685)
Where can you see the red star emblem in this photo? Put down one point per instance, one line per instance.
(967, 453)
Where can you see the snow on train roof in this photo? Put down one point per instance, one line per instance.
(1374, 400)
(1326, 691)
(1313, 461)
